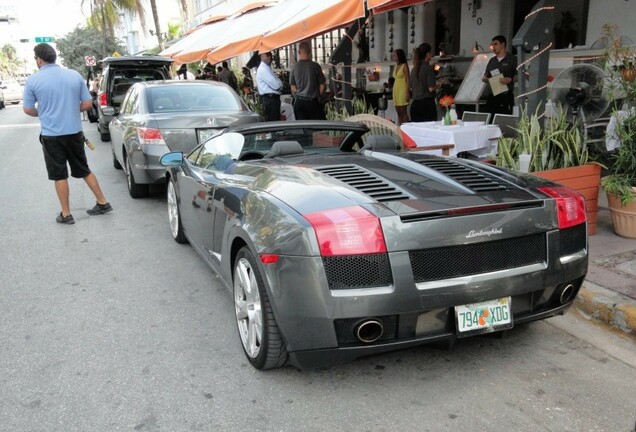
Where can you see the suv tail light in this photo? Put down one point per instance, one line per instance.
(347, 231)
(570, 205)
(102, 100)
(150, 136)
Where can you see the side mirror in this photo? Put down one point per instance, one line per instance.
(109, 111)
(174, 159)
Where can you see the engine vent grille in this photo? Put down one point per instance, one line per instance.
(572, 240)
(365, 181)
(358, 271)
(464, 260)
(472, 179)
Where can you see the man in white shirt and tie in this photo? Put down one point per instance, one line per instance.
(269, 88)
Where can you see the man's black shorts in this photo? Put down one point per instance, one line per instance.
(58, 150)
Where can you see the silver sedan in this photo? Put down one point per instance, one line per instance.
(157, 117)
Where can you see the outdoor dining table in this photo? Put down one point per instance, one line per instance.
(476, 138)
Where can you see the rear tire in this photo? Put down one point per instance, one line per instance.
(92, 115)
(260, 337)
(116, 163)
(104, 136)
(136, 190)
(174, 216)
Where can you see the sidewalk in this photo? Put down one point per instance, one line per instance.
(608, 293)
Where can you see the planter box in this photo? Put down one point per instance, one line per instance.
(623, 217)
(584, 179)
(324, 140)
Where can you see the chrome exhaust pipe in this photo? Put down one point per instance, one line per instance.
(369, 331)
(566, 294)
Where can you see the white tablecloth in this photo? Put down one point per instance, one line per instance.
(474, 137)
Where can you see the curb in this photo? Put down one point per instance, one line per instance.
(608, 307)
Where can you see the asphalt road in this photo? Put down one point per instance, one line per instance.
(110, 325)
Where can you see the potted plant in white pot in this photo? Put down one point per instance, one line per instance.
(620, 183)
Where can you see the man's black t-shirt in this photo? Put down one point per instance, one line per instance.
(506, 66)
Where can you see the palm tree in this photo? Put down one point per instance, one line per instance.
(10, 64)
(155, 17)
(105, 15)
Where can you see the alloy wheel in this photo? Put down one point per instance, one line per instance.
(173, 210)
(247, 302)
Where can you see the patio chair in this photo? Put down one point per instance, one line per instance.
(476, 116)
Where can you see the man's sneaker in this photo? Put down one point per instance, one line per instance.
(65, 219)
(100, 209)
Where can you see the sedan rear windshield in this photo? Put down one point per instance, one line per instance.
(192, 98)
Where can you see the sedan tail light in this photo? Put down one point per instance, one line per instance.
(570, 205)
(102, 100)
(347, 231)
(150, 136)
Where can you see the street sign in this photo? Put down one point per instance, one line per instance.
(40, 39)
(90, 61)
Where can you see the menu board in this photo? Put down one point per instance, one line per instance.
(472, 87)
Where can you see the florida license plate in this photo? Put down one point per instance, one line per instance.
(483, 317)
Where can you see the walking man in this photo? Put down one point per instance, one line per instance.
(269, 88)
(61, 95)
(308, 85)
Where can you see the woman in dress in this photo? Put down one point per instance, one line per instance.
(402, 86)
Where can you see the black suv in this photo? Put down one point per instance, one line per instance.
(119, 73)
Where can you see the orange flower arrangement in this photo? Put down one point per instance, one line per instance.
(446, 101)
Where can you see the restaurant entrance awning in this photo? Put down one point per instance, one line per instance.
(380, 6)
(319, 17)
(196, 44)
(264, 29)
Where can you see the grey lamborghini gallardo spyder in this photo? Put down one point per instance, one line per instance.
(336, 244)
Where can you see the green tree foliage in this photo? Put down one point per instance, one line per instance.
(84, 41)
(10, 64)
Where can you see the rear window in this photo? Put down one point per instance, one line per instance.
(123, 79)
(192, 98)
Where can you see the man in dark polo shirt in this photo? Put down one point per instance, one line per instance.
(308, 85)
(504, 66)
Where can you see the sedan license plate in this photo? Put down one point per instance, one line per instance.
(205, 134)
(483, 317)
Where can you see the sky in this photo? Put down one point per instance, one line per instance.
(50, 17)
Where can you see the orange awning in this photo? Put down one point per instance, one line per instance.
(319, 17)
(192, 49)
(380, 6)
(265, 28)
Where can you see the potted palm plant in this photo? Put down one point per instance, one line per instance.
(620, 183)
(557, 152)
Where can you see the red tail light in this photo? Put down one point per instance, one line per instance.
(347, 231)
(570, 205)
(102, 100)
(150, 136)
